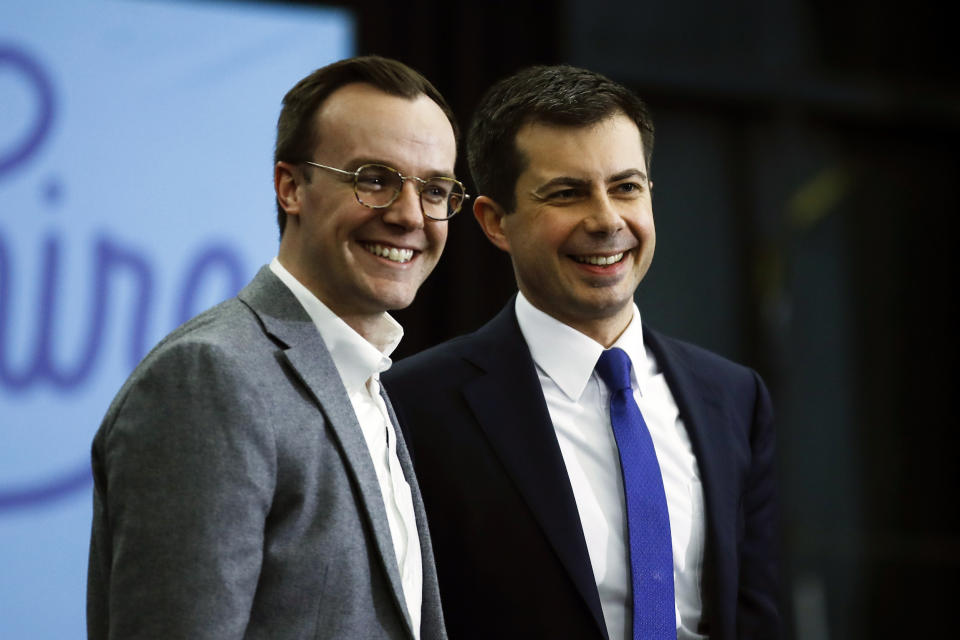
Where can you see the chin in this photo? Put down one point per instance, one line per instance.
(605, 306)
(392, 294)
(395, 303)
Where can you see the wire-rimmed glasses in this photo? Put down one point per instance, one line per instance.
(378, 186)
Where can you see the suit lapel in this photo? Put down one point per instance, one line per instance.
(702, 411)
(302, 347)
(507, 401)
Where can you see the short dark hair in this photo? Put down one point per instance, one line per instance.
(296, 134)
(557, 95)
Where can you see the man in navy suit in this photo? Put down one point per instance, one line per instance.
(511, 426)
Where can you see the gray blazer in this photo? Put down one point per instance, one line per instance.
(234, 493)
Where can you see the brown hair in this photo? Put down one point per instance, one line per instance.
(558, 95)
(296, 134)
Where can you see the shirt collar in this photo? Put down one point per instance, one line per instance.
(572, 365)
(356, 358)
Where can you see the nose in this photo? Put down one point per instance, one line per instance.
(405, 211)
(603, 217)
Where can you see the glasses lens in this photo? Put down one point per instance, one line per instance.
(377, 185)
(441, 198)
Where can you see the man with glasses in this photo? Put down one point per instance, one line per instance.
(250, 481)
(586, 476)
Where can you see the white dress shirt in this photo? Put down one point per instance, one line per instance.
(579, 405)
(359, 363)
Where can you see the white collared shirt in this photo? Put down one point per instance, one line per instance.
(360, 364)
(579, 405)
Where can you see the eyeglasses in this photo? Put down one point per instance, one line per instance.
(378, 186)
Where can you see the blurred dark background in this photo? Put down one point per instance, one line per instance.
(806, 176)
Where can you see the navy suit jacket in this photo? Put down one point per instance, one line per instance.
(510, 552)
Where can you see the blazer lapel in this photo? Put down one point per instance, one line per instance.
(702, 410)
(302, 347)
(508, 402)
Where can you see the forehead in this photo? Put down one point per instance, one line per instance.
(359, 121)
(598, 150)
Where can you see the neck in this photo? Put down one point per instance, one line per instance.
(604, 326)
(369, 324)
(606, 331)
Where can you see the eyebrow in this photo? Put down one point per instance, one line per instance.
(569, 181)
(629, 173)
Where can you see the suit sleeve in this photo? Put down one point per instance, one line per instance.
(185, 471)
(757, 610)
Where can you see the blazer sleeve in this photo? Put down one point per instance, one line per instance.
(184, 475)
(758, 591)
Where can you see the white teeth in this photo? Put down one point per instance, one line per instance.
(601, 261)
(390, 253)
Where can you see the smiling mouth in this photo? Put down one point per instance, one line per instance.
(390, 253)
(600, 261)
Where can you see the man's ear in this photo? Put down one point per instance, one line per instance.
(490, 216)
(287, 188)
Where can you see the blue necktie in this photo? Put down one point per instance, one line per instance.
(651, 549)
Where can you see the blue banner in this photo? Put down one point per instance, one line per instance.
(136, 144)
